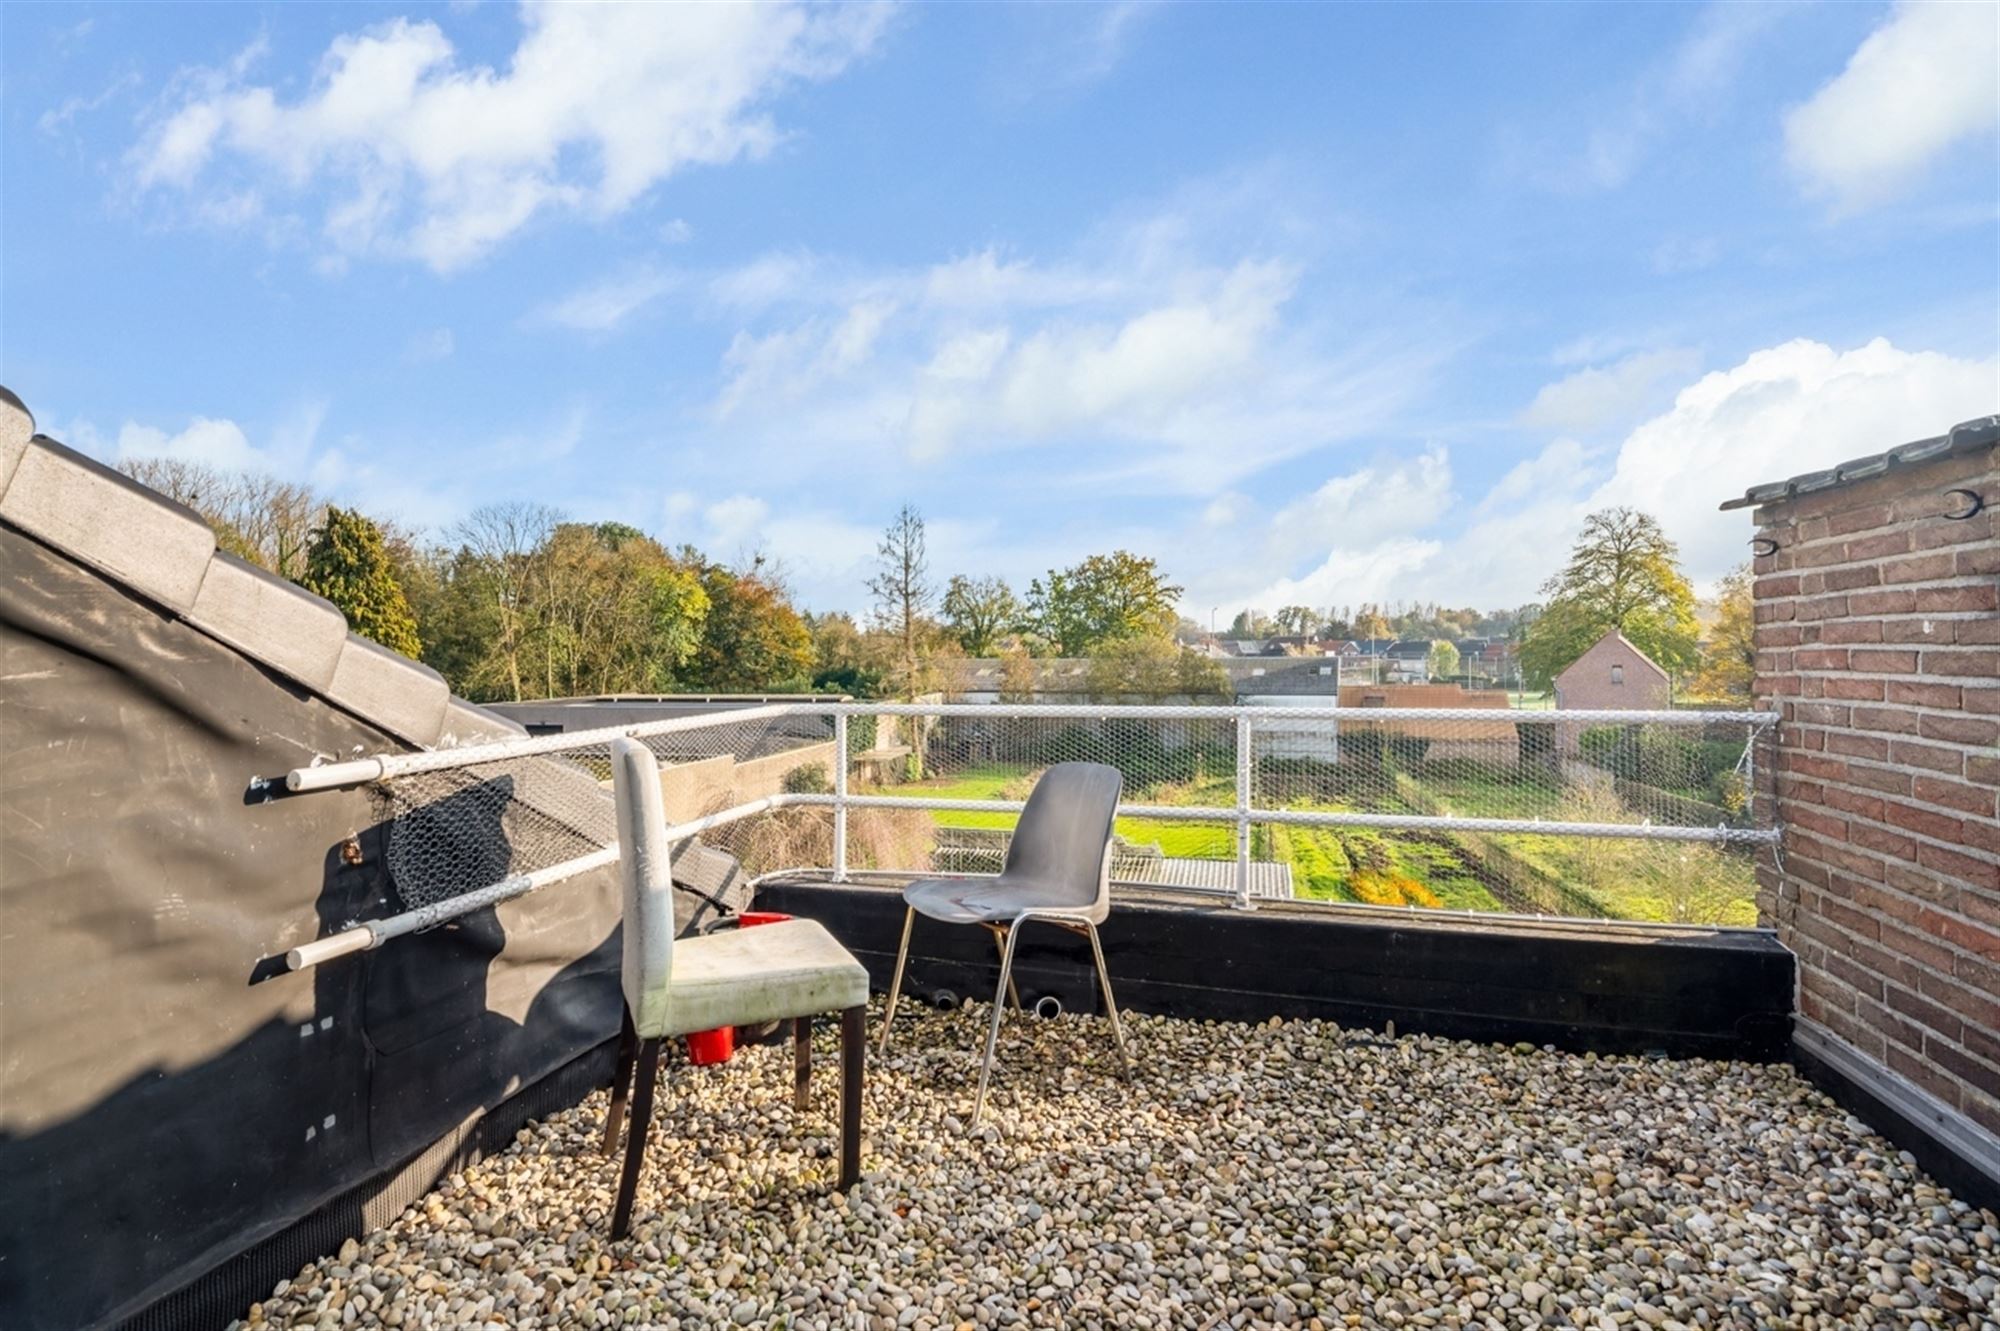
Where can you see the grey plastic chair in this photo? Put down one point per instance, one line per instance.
(1058, 870)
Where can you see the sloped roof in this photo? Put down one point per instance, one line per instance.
(1965, 437)
(1613, 635)
(165, 552)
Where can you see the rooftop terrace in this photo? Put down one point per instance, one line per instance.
(1292, 1174)
(370, 955)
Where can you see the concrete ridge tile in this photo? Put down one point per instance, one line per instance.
(137, 535)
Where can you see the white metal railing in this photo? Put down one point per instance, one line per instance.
(1319, 731)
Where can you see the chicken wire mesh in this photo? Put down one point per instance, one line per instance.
(1390, 808)
(453, 830)
(1449, 770)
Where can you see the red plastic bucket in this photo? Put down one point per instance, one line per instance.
(716, 1046)
(705, 1047)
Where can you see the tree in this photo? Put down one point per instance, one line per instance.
(613, 612)
(1371, 623)
(1623, 574)
(255, 516)
(754, 641)
(1444, 660)
(844, 660)
(1298, 620)
(1120, 595)
(978, 611)
(902, 589)
(505, 547)
(1729, 663)
(1153, 668)
(1018, 676)
(348, 564)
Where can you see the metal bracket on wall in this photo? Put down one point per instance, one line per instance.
(1763, 545)
(1975, 503)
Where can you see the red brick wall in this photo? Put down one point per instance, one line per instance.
(1878, 639)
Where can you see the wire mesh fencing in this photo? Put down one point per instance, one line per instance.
(1595, 815)
(1632, 815)
(453, 829)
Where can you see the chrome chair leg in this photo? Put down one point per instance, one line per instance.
(896, 984)
(993, 1031)
(1110, 1003)
(1000, 946)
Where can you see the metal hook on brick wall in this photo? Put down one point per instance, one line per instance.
(1763, 545)
(1974, 503)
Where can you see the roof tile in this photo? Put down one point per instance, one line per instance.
(263, 616)
(156, 547)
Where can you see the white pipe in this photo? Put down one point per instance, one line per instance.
(374, 933)
(326, 776)
(840, 760)
(385, 766)
(1246, 756)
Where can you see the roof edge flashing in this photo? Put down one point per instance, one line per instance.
(1965, 437)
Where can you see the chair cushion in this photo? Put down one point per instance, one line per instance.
(740, 977)
(992, 900)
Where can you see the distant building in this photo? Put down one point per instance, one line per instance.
(1613, 676)
(1409, 660)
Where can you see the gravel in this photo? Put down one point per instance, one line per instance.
(1289, 1174)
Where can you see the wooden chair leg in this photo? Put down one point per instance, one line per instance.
(853, 1053)
(621, 1082)
(802, 1063)
(635, 1145)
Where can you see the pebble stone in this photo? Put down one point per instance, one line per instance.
(1292, 1174)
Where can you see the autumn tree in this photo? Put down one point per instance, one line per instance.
(844, 659)
(979, 612)
(615, 613)
(1623, 574)
(754, 641)
(1153, 667)
(902, 590)
(1443, 660)
(1729, 658)
(1120, 595)
(347, 563)
(1372, 623)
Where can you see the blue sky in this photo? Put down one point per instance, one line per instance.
(1313, 303)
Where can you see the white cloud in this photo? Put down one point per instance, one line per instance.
(1157, 369)
(1925, 80)
(1593, 398)
(737, 519)
(429, 157)
(59, 118)
(1392, 531)
(287, 448)
(784, 365)
(603, 306)
(1785, 410)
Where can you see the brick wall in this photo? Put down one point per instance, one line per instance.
(1878, 639)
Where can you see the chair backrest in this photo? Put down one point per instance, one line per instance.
(646, 873)
(1064, 836)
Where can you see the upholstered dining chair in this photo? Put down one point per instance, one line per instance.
(790, 969)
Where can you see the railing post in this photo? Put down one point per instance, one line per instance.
(1243, 788)
(840, 797)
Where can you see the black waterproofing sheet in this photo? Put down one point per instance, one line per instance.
(169, 1094)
